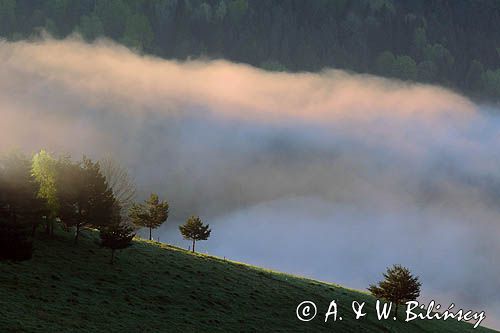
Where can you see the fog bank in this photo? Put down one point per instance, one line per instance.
(330, 175)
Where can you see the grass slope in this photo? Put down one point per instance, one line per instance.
(159, 288)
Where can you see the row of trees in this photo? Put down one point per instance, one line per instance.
(446, 42)
(45, 191)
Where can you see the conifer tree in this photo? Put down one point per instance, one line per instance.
(20, 207)
(117, 235)
(84, 196)
(399, 286)
(195, 230)
(151, 214)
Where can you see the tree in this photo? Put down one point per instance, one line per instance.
(7, 16)
(84, 195)
(121, 183)
(138, 33)
(384, 63)
(273, 66)
(113, 14)
(90, 27)
(116, 236)
(441, 57)
(426, 71)
(419, 39)
(474, 74)
(21, 189)
(405, 68)
(399, 286)
(20, 207)
(43, 169)
(195, 230)
(237, 9)
(491, 82)
(151, 214)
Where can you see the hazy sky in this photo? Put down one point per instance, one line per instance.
(330, 175)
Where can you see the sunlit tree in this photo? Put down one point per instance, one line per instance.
(44, 169)
(151, 214)
(195, 230)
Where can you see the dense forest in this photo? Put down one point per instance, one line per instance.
(455, 43)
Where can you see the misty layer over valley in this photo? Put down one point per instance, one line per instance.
(329, 175)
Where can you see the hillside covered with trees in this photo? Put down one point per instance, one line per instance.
(452, 43)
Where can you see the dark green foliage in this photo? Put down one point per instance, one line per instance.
(195, 230)
(474, 75)
(138, 33)
(16, 242)
(151, 214)
(90, 27)
(84, 195)
(399, 286)
(427, 71)
(490, 81)
(430, 41)
(117, 236)
(21, 210)
(273, 66)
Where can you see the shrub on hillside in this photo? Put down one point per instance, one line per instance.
(116, 237)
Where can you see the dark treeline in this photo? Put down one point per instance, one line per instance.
(44, 191)
(454, 43)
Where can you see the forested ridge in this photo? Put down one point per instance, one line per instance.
(455, 43)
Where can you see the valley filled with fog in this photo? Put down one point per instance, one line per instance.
(330, 175)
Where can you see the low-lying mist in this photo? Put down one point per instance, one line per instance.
(330, 175)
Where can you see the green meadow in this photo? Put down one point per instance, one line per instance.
(154, 287)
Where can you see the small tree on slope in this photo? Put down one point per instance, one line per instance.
(151, 214)
(116, 237)
(399, 286)
(195, 230)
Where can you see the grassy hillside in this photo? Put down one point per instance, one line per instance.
(158, 288)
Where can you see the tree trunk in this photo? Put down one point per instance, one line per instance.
(150, 236)
(79, 219)
(193, 244)
(51, 228)
(112, 256)
(396, 311)
(77, 233)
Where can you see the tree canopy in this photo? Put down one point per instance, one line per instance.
(116, 236)
(399, 286)
(151, 214)
(445, 42)
(44, 168)
(195, 230)
(84, 195)
(21, 209)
